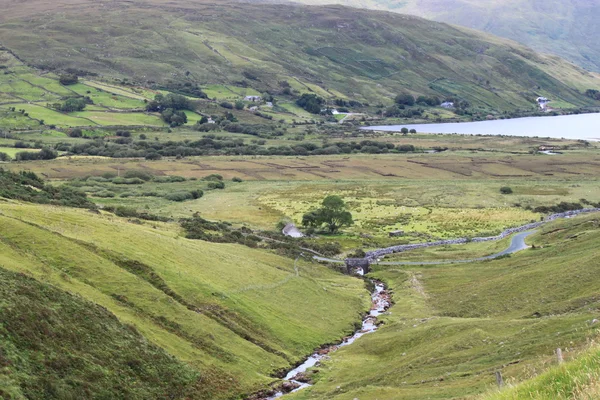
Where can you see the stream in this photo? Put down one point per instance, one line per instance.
(380, 302)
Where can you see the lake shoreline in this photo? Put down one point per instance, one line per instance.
(574, 127)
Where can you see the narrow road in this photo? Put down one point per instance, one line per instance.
(517, 244)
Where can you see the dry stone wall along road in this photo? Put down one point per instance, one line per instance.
(375, 255)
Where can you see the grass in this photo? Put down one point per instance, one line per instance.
(51, 117)
(12, 151)
(453, 326)
(153, 280)
(112, 119)
(107, 99)
(556, 38)
(577, 380)
(56, 345)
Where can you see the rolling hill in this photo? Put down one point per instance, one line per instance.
(213, 321)
(332, 51)
(567, 28)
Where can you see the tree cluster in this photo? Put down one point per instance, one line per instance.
(170, 108)
(73, 104)
(593, 93)
(311, 103)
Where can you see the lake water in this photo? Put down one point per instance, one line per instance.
(582, 126)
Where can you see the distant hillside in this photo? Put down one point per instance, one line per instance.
(568, 28)
(333, 51)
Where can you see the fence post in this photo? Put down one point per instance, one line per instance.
(559, 355)
(499, 379)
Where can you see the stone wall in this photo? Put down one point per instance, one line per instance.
(379, 253)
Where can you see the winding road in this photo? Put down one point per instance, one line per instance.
(517, 244)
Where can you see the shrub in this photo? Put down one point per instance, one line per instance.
(216, 185)
(236, 179)
(4, 157)
(506, 190)
(75, 132)
(105, 194)
(179, 196)
(68, 79)
(213, 177)
(127, 181)
(153, 156)
(143, 175)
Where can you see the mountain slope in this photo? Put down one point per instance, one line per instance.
(568, 28)
(333, 51)
(55, 346)
(234, 315)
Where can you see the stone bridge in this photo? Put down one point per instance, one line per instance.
(374, 255)
(362, 263)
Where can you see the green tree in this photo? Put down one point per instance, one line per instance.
(405, 99)
(332, 214)
(239, 105)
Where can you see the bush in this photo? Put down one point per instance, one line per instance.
(44, 154)
(105, 194)
(506, 190)
(179, 196)
(236, 179)
(68, 79)
(128, 181)
(75, 132)
(213, 177)
(216, 185)
(4, 157)
(143, 175)
(153, 156)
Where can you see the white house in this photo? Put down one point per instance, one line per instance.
(542, 102)
(252, 98)
(448, 104)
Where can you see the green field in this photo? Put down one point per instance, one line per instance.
(453, 326)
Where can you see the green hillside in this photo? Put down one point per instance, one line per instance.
(453, 326)
(578, 380)
(567, 28)
(331, 51)
(54, 345)
(229, 314)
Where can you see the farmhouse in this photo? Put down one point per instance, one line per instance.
(253, 98)
(542, 102)
(448, 104)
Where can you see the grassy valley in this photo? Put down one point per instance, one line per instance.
(453, 326)
(152, 152)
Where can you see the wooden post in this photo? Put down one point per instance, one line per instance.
(499, 379)
(559, 355)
